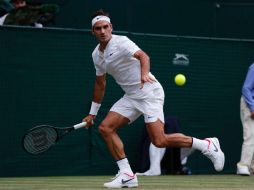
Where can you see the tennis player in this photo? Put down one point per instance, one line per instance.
(130, 67)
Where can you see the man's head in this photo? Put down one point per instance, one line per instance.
(18, 3)
(101, 26)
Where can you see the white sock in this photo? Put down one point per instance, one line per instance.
(199, 144)
(124, 166)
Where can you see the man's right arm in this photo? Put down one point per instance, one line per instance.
(98, 95)
(99, 88)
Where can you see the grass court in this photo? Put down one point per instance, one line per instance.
(169, 182)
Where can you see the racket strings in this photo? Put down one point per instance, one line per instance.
(40, 139)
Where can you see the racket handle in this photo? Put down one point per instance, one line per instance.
(80, 125)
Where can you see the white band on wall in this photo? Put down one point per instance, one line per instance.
(99, 18)
(94, 108)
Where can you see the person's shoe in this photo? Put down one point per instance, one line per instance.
(215, 154)
(149, 173)
(242, 170)
(122, 180)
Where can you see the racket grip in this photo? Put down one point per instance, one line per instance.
(80, 125)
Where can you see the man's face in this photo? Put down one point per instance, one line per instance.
(19, 3)
(102, 31)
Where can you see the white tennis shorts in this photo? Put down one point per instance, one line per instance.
(149, 104)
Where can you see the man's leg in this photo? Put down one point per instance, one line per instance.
(112, 122)
(160, 139)
(108, 129)
(210, 147)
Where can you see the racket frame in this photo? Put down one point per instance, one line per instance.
(59, 135)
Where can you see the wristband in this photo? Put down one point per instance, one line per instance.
(94, 108)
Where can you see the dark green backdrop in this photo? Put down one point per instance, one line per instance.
(217, 18)
(46, 77)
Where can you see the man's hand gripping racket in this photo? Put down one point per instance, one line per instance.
(89, 120)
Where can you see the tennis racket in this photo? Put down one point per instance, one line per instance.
(42, 137)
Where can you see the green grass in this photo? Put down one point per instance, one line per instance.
(192, 182)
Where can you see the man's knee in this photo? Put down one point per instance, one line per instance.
(105, 129)
(159, 142)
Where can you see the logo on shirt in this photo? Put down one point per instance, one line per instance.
(111, 53)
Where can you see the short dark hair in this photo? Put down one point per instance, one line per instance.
(100, 12)
(13, 1)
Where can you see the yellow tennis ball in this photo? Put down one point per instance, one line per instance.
(180, 79)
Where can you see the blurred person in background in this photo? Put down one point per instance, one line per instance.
(246, 164)
(26, 14)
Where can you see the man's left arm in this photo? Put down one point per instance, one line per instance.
(145, 67)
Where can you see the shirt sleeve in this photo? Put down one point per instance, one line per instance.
(248, 88)
(129, 47)
(98, 64)
(99, 71)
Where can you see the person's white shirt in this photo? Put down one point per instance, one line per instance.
(118, 60)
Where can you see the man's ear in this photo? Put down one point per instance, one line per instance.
(92, 31)
(111, 27)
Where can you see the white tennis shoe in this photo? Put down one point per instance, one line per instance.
(215, 154)
(122, 180)
(149, 173)
(242, 170)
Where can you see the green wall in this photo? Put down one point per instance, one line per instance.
(46, 77)
(210, 18)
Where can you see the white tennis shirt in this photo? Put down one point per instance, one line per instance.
(118, 61)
